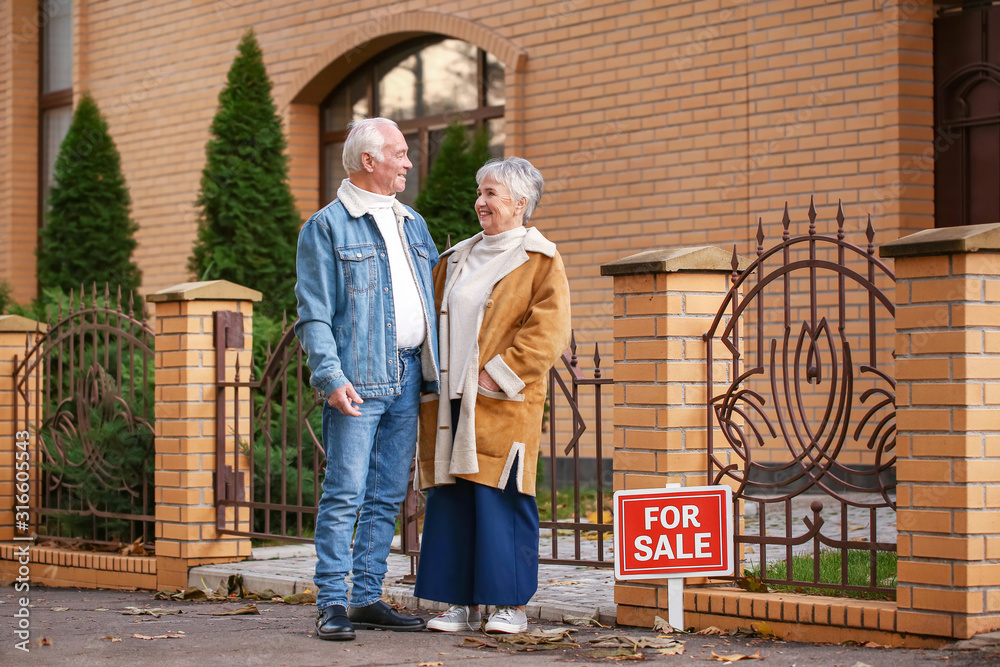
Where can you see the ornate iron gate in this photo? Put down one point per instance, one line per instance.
(85, 387)
(284, 450)
(807, 412)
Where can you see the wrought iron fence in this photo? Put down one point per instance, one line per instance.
(280, 442)
(807, 407)
(585, 524)
(85, 386)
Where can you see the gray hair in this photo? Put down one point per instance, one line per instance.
(364, 137)
(520, 177)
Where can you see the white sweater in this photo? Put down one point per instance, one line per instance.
(471, 289)
(410, 327)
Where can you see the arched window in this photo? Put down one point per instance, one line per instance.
(423, 85)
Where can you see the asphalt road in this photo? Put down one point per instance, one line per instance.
(88, 627)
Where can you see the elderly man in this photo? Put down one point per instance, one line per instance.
(367, 323)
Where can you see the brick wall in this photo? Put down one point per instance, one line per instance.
(948, 447)
(655, 124)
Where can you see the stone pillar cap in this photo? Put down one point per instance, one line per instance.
(671, 260)
(945, 241)
(18, 324)
(210, 290)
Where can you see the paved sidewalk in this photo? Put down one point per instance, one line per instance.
(562, 590)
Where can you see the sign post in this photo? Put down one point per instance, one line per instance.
(674, 533)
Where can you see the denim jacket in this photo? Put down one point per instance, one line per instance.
(346, 319)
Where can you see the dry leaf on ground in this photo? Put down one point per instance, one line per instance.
(113, 639)
(733, 657)
(710, 630)
(156, 613)
(429, 664)
(584, 621)
(476, 642)
(59, 609)
(764, 630)
(663, 626)
(245, 610)
(305, 597)
(539, 640)
(673, 650)
(614, 654)
(169, 635)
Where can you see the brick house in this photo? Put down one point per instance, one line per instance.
(656, 124)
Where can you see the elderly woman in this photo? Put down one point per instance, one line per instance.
(503, 301)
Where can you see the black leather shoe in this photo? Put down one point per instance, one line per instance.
(332, 623)
(380, 616)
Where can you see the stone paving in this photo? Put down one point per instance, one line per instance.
(562, 589)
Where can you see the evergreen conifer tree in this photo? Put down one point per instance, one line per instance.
(248, 225)
(447, 200)
(88, 234)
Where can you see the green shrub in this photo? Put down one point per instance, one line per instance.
(448, 197)
(248, 224)
(88, 233)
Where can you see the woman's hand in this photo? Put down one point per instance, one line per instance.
(486, 382)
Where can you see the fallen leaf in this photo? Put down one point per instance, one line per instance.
(752, 584)
(764, 630)
(614, 654)
(305, 597)
(663, 626)
(429, 664)
(477, 643)
(44, 641)
(673, 650)
(538, 640)
(248, 609)
(556, 582)
(584, 621)
(113, 639)
(100, 609)
(59, 609)
(733, 657)
(169, 635)
(156, 613)
(710, 630)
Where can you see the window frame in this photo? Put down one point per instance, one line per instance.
(422, 126)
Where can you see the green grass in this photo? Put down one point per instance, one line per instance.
(829, 572)
(564, 504)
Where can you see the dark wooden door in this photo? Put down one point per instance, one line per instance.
(967, 114)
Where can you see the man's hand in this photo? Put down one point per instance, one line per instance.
(344, 398)
(486, 382)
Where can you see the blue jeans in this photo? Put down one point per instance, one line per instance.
(368, 462)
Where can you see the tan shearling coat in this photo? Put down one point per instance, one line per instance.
(524, 326)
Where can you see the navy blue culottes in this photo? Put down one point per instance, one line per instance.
(479, 545)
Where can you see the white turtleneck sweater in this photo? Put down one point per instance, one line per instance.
(472, 287)
(410, 327)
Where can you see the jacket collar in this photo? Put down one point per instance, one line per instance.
(533, 242)
(356, 209)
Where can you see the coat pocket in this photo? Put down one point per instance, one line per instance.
(499, 395)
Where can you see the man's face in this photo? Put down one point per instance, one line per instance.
(389, 175)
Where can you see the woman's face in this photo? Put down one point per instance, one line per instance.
(496, 210)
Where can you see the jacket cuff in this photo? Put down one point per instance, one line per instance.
(504, 376)
(332, 385)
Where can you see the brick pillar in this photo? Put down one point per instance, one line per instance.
(665, 300)
(186, 533)
(948, 429)
(15, 334)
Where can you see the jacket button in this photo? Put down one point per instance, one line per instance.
(389, 326)
(489, 303)
(359, 254)
(385, 289)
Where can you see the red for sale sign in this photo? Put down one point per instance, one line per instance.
(674, 532)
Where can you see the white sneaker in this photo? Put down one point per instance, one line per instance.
(457, 618)
(507, 619)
